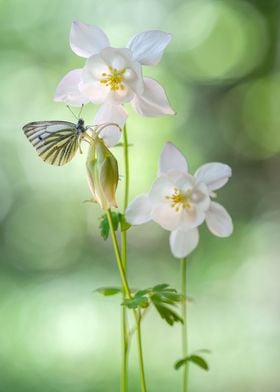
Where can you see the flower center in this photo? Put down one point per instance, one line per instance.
(114, 79)
(179, 199)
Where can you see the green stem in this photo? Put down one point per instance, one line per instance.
(126, 168)
(184, 325)
(124, 386)
(118, 256)
(125, 336)
(128, 295)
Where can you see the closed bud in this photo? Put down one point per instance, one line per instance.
(102, 173)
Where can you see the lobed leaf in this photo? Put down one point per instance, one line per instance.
(124, 224)
(160, 287)
(168, 314)
(199, 361)
(136, 302)
(108, 291)
(196, 359)
(104, 224)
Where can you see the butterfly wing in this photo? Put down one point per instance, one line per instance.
(55, 141)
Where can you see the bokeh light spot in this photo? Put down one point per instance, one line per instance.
(233, 46)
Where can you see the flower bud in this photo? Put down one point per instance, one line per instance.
(102, 173)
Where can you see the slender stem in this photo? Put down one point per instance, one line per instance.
(124, 379)
(140, 351)
(129, 296)
(126, 167)
(184, 325)
(125, 335)
(118, 256)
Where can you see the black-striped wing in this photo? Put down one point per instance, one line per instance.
(55, 141)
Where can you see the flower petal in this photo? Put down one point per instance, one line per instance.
(172, 159)
(200, 197)
(161, 188)
(68, 89)
(139, 210)
(109, 113)
(86, 40)
(95, 92)
(192, 217)
(121, 59)
(153, 101)
(214, 175)
(182, 243)
(167, 217)
(97, 77)
(148, 47)
(218, 220)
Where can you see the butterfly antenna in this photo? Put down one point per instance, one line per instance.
(80, 112)
(72, 112)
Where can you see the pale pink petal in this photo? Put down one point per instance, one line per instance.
(191, 217)
(118, 58)
(182, 243)
(161, 189)
(86, 40)
(153, 101)
(139, 210)
(109, 113)
(218, 220)
(214, 175)
(95, 92)
(172, 159)
(94, 69)
(98, 68)
(121, 59)
(68, 90)
(200, 196)
(183, 181)
(167, 217)
(148, 47)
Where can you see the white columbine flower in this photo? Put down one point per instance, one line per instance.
(112, 77)
(180, 202)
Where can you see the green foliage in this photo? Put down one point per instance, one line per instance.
(162, 297)
(118, 220)
(124, 224)
(194, 358)
(108, 291)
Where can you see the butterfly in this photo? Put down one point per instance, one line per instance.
(56, 141)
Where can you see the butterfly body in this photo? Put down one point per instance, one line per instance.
(80, 126)
(55, 141)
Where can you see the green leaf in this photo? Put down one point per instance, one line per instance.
(158, 300)
(199, 361)
(108, 291)
(180, 363)
(171, 296)
(124, 224)
(104, 224)
(168, 314)
(160, 287)
(196, 359)
(160, 296)
(142, 293)
(136, 302)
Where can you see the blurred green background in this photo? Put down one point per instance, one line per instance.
(221, 73)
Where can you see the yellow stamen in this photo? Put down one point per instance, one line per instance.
(114, 79)
(179, 199)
